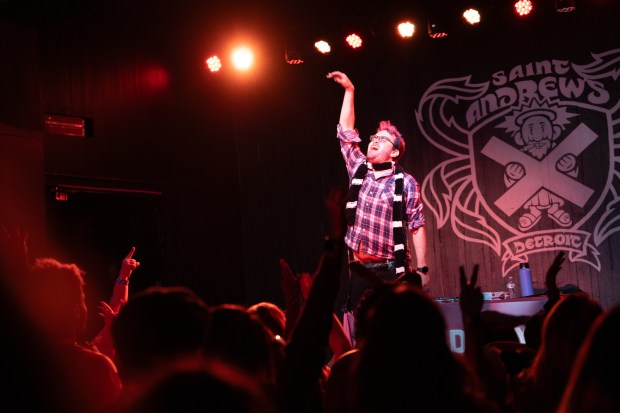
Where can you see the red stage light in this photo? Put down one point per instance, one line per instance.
(354, 41)
(523, 7)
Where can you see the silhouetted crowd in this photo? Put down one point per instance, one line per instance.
(164, 349)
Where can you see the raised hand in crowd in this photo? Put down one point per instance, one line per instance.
(553, 293)
(470, 303)
(120, 294)
(338, 341)
(301, 377)
(471, 299)
(490, 374)
(128, 265)
(335, 207)
(301, 285)
(291, 289)
(533, 328)
(108, 311)
(302, 371)
(305, 284)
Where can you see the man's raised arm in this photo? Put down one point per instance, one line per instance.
(347, 113)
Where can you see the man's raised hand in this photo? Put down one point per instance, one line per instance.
(341, 79)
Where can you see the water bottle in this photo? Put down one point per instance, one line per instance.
(525, 278)
(510, 287)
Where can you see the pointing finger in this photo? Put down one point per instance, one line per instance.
(133, 249)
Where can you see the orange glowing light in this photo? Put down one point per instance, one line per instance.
(406, 29)
(471, 16)
(323, 47)
(242, 58)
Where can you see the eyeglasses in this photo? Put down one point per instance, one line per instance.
(381, 139)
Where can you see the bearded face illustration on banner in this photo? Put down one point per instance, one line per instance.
(532, 163)
(536, 131)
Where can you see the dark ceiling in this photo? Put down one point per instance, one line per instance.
(301, 18)
(303, 15)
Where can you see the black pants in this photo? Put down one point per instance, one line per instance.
(358, 284)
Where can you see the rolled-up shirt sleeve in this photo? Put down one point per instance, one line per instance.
(350, 149)
(414, 206)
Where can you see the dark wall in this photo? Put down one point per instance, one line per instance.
(20, 105)
(158, 129)
(21, 140)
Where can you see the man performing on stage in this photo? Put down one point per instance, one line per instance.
(384, 201)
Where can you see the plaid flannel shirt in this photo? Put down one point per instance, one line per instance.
(373, 219)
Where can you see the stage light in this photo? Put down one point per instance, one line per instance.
(438, 23)
(565, 6)
(242, 58)
(523, 7)
(293, 55)
(406, 29)
(214, 64)
(471, 16)
(436, 30)
(323, 47)
(354, 41)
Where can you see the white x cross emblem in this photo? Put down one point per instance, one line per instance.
(542, 174)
